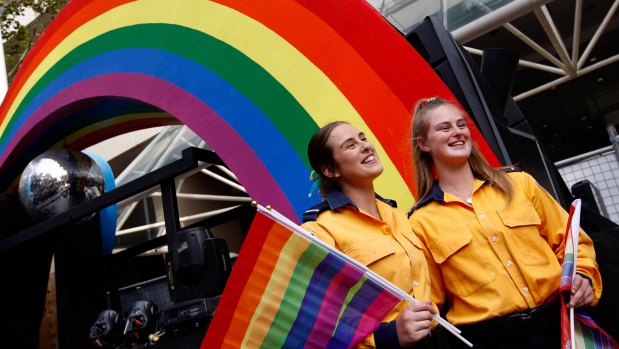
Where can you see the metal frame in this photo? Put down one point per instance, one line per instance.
(568, 66)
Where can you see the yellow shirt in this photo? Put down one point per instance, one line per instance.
(387, 246)
(489, 260)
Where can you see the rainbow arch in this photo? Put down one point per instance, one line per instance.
(254, 79)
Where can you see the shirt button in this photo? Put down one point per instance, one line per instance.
(481, 215)
(525, 290)
(493, 238)
(415, 283)
(509, 263)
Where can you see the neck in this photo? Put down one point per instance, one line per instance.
(363, 197)
(457, 180)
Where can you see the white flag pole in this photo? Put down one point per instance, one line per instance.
(283, 220)
(575, 232)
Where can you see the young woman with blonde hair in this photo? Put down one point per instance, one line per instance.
(494, 239)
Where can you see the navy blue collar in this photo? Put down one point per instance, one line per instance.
(337, 199)
(436, 194)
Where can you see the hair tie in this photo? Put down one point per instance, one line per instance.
(316, 181)
(427, 101)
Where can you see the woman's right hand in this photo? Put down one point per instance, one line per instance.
(414, 322)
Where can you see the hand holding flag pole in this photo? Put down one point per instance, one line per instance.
(368, 272)
(573, 236)
(578, 330)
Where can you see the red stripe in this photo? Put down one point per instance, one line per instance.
(369, 322)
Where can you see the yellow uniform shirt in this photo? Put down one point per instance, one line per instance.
(387, 246)
(490, 260)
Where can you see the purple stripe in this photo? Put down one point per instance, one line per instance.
(332, 303)
(355, 324)
(192, 112)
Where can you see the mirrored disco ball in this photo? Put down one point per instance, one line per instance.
(58, 180)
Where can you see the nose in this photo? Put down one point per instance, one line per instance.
(458, 131)
(365, 146)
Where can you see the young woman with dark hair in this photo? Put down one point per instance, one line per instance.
(355, 220)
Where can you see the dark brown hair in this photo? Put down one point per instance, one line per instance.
(320, 155)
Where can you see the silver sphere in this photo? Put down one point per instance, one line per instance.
(58, 180)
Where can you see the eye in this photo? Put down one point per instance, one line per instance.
(350, 145)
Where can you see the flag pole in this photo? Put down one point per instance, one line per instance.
(574, 235)
(269, 211)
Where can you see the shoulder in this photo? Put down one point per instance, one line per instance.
(312, 213)
(518, 175)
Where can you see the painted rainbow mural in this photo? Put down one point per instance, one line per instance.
(254, 79)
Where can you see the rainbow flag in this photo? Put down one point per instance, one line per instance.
(287, 291)
(578, 330)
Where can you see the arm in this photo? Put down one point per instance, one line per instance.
(585, 290)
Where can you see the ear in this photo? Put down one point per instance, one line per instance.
(327, 171)
(423, 145)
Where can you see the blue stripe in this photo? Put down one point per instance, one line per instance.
(355, 310)
(312, 301)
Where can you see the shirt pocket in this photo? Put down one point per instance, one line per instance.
(370, 251)
(526, 243)
(464, 266)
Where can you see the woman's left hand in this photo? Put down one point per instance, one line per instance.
(582, 292)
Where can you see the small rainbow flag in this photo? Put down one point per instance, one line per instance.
(287, 291)
(578, 330)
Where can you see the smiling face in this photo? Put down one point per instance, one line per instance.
(448, 139)
(356, 161)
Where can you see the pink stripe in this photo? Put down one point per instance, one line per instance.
(191, 111)
(368, 323)
(330, 308)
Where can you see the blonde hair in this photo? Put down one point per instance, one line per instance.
(424, 164)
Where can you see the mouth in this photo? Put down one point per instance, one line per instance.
(457, 143)
(368, 159)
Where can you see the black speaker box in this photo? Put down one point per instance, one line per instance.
(200, 265)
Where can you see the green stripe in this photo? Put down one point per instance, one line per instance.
(351, 293)
(582, 334)
(232, 65)
(293, 297)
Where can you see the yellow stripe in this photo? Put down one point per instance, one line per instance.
(308, 84)
(274, 292)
